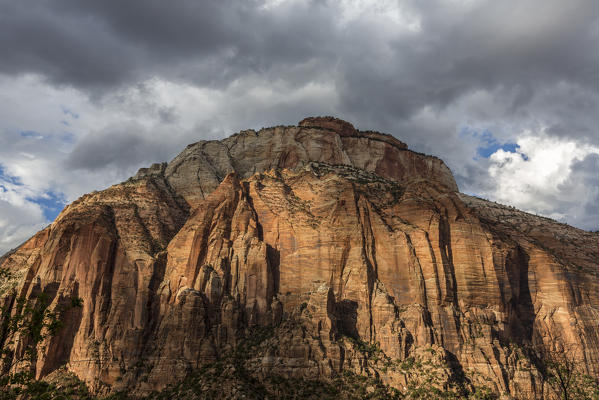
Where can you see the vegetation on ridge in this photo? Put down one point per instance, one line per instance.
(232, 376)
(25, 325)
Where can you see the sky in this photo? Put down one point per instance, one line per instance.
(505, 92)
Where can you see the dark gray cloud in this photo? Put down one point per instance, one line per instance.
(117, 147)
(36, 38)
(515, 48)
(98, 45)
(424, 71)
(587, 170)
(382, 74)
(589, 166)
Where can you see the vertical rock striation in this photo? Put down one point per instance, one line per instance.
(334, 237)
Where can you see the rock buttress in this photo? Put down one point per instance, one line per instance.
(359, 254)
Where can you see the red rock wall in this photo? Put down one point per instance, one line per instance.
(174, 266)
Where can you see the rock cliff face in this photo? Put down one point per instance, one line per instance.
(358, 254)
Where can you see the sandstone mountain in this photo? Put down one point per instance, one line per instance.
(307, 253)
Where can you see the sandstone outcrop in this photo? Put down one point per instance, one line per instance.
(359, 254)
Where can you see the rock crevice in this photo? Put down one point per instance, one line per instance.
(344, 242)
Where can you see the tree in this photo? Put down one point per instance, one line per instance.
(24, 326)
(564, 374)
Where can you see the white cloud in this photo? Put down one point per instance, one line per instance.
(539, 177)
(419, 70)
(19, 217)
(51, 138)
(17, 224)
(400, 14)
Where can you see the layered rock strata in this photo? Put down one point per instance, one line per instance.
(335, 238)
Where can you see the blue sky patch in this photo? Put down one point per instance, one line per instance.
(9, 178)
(487, 150)
(31, 135)
(488, 144)
(51, 204)
(68, 112)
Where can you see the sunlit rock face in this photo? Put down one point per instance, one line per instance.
(329, 235)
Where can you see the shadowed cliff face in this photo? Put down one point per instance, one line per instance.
(328, 235)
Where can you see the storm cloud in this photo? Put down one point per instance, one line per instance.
(496, 89)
